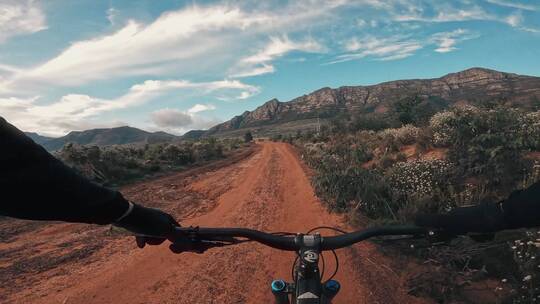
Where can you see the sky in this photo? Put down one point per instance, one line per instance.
(176, 65)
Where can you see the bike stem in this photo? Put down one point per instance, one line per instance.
(307, 287)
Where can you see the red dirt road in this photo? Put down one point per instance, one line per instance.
(267, 191)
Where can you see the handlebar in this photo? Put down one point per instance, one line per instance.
(220, 236)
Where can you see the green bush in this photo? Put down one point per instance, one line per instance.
(487, 144)
(373, 122)
(121, 164)
(484, 161)
(248, 137)
(354, 187)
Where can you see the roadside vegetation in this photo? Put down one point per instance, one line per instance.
(117, 165)
(386, 167)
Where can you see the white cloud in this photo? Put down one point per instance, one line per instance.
(444, 12)
(447, 14)
(514, 20)
(446, 41)
(112, 13)
(530, 29)
(173, 40)
(74, 110)
(353, 45)
(399, 47)
(513, 4)
(384, 49)
(190, 41)
(20, 17)
(259, 63)
(178, 122)
(201, 108)
(261, 69)
(360, 23)
(171, 118)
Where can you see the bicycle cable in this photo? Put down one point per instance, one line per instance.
(328, 228)
(333, 251)
(337, 266)
(294, 266)
(323, 265)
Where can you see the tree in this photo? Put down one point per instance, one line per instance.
(248, 137)
(405, 109)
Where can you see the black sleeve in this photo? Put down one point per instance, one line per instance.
(522, 208)
(35, 185)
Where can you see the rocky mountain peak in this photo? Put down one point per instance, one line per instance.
(476, 75)
(472, 85)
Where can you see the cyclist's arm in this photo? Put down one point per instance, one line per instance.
(35, 185)
(522, 208)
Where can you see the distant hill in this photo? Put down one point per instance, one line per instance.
(471, 86)
(39, 139)
(193, 134)
(104, 137)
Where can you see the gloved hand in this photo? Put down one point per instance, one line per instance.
(153, 226)
(482, 218)
(150, 226)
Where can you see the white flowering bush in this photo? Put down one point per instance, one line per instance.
(526, 251)
(442, 126)
(420, 178)
(530, 129)
(405, 135)
(485, 149)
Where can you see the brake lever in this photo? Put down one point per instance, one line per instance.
(196, 246)
(223, 239)
(193, 235)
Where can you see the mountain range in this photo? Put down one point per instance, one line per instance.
(472, 86)
(103, 137)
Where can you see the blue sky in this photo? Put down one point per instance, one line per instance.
(180, 65)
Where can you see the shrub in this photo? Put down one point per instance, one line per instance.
(120, 164)
(277, 137)
(526, 252)
(443, 126)
(416, 110)
(354, 187)
(248, 137)
(405, 135)
(530, 130)
(373, 122)
(362, 154)
(419, 178)
(487, 144)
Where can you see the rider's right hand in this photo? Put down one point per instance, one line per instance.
(482, 218)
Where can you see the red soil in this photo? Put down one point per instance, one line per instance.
(269, 191)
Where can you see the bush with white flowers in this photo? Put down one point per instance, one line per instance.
(530, 129)
(526, 252)
(405, 135)
(419, 178)
(443, 125)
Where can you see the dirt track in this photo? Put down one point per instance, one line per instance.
(268, 191)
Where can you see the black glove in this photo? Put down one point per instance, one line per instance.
(151, 226)
(483, 218)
